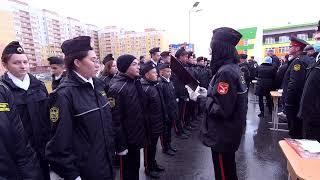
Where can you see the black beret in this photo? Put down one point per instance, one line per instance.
(163, 66)
(124, 62)
(108, 58)
(298, 42)
(13, 48)
(154, 50)
(55, 60)
(146, 67)
(165, 54)
(77, 44)
(226, 35)
(181, 52)
(200, 59)
(243, 56)
(308, 48)
(190, 53)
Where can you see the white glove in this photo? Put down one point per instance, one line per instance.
(78, 178)
(55, 176)
(123, 153)
(202, 91)
(177, 99)
(193, 94)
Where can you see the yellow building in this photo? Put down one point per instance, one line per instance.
(119, 41)
(6, 31)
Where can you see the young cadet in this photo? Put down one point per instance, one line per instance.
(30, 97)
(170, 100)
(226, 104)
(82, 143)
(109, 71)
(155, 117)
(18, 159)
(126, 98)
(57, 70)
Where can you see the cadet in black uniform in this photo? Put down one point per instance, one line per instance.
(30, 99)
(309, 107)
(293, 84)
(155, 55)
(155, 116)
(57, 70)
(226, 104)
(266, 75)
(253, 65)
(109, 71)
(127, 99)
(170, 100)
(18, 159)
(165, 57)
(82, 143)
(182, 95)
(244, 66)
(204, 73)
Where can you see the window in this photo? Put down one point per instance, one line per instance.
(269, 40)
(282, 50)
(267, 49)
(245, 51)
(284, 39)
(303, 36)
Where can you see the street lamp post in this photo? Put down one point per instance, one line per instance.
(191, 10)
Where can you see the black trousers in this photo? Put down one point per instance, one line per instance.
(190, 112)
(45, 169)
(130, 164)
(178, 123)
(166, 135)
(150, 152)
(269, 102)
(224, 165)
(294, 123)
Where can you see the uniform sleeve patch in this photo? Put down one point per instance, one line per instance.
(4, 107)
(54, 114)
(297, 67)
(112, 102)
(223, 88)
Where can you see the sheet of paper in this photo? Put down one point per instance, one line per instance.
(310, 145)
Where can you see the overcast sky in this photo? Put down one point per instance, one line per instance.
(172, 15)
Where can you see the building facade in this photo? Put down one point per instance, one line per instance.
(278, 38)
(40, 31)
(247, 43)
(173, 48)
(118, 41)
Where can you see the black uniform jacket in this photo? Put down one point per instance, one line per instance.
(293, 82)
(18, 160)
(226, 109)
(127, 97)
(82, 144)
(310, 103)
(32, 106)
(170, 99)
(155, 108)
(266, 79)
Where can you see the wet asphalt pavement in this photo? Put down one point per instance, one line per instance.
(259, 156)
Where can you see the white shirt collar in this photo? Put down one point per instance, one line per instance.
(154, 62)
(24, 84)
(168, 80)
(84, 79)
(318, 57)
(57, 77)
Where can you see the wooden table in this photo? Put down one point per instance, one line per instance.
(275, 119)
(300, 168)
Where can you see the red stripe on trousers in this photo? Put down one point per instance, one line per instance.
(145, 153)
(221, 167)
